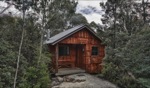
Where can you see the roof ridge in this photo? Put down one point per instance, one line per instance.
(68, 29)
(62, 35)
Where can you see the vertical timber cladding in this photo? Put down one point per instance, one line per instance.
(53, 60)
(67, 58)
(92, 63)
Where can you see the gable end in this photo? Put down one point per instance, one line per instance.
(63, 35)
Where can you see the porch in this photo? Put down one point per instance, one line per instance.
(69, 57)
(69, 71)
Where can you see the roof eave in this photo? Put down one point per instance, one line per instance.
(55, 42)
(84, 26)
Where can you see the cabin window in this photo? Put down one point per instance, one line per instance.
(63, 50)
(94, 50)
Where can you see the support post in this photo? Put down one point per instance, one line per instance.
(56, 69)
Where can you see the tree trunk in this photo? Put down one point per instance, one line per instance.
(20, 47)
(42, 30)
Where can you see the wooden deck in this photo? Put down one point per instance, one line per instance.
(69, 71)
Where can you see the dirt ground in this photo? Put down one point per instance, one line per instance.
(85, 80)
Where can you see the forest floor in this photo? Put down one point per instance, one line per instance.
(82, 80)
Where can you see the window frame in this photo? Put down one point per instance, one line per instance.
(64, 50)
(94, 51)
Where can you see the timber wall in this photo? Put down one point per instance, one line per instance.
(92, 62)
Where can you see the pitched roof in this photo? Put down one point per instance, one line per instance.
(57, 38)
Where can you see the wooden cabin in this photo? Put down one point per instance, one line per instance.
(78, 47)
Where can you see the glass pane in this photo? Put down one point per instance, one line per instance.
(94, 50)
(63, 50)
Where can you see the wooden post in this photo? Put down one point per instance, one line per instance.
(56, 69)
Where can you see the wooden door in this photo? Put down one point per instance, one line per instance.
(80, 56)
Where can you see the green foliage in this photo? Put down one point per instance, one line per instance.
(6, 64)
(9, 53)
(145, 82)
(77, 19)
(36, 77)
(137, 55)
(127, 53)
(61, 16)
(119, 76)
(31, 74)
(127, 65)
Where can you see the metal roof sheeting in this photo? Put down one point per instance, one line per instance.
(55, 39)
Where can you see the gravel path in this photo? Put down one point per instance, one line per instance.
(87, 81)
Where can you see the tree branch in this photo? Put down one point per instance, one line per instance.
(5, 9)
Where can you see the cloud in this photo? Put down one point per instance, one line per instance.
(11, 9)
(91, 10)
(94, 17)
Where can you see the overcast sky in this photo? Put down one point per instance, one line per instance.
(11, 9)
(88, 8)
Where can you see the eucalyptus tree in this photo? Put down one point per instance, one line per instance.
(21, 43)
(60, 14)
(137, 56)
(10, 39)
(77, 19)
(145, 10)
(23, 6)
(53, 15)
(121, 21)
